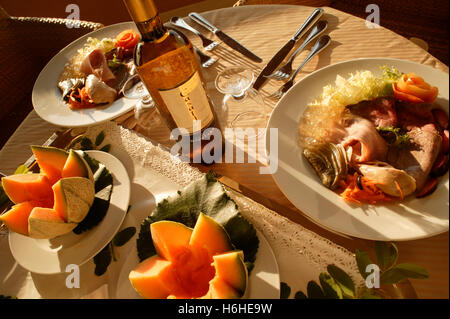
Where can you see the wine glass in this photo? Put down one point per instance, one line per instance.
(243, 105)
(145, 111)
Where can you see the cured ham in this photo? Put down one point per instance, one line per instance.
(95, 63)
(362, 137)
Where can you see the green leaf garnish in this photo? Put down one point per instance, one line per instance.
(285, 290)
(86, 144)
(300, 295)
(344, 281)
(102, 260)
(314, 291)
(122, 237)
(394, 136)
(99, 139)
(330, 287)
(363, 260)
(387, 254)
(401, 272)
(106, 148)
(206, 195)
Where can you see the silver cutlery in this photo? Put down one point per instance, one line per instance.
(232, 43)
(285, 71)
(320, 44)
(205, 60)
(284, 51)
(208, 44)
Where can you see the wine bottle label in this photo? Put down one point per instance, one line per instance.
(188, 102)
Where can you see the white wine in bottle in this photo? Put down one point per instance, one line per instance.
(167, 64)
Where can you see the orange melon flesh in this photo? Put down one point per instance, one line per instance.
(46, 223)
(75, 166)
(210, 235)
(16, 219)
(230, 267)
(186, 266)
(51, 161)
(152, 278)
(219, 289)
(170, 238)
(27, 187)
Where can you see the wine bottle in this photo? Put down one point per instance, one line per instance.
(167, 65)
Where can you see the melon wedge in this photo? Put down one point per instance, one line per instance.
(230, 267)
(185, 268)
(26, 187)
(51, 161)
(16, 219)
(76, 166)
(46, 223)
(151, 279)
(170, 238)
(210, 235)
(73, 197)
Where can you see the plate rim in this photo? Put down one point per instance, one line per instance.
(309, 215)
(69, 46)
(11, 235)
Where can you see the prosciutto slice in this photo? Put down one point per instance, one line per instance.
(360, 138)
(95, 63)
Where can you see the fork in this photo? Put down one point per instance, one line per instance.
(285, 71)
(208, 44)
(205, 60)
(320, 44)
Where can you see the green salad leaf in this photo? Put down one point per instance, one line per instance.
(208, 196)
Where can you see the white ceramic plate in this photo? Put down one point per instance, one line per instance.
(412, 219)
(51, 256)
(264, 280)
(46, 95)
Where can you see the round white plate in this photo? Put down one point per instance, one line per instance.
(51, 256)
(46, 95)
(412, 219)
(264, 280)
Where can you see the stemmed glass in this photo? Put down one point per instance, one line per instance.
(145, 111)
(243, 105)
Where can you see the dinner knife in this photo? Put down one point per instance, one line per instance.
(232, 43)
(284, 51)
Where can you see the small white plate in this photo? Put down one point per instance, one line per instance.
(46, 95)
(264, 280)
(51, 256)
(412, 219)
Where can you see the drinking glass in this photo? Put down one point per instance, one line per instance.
(243, 105)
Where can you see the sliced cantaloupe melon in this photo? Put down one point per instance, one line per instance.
(46, 223)
(207, 228)
(65, 183)
(191, 272)
(231, 268)
(170, 238)
(16, 219)
(26, 187)
(152, 278)
(73, 197)
(51, 161)
(76, 166)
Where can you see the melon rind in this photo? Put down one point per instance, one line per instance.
(45, 223)
(73, 198)
(76, 166)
